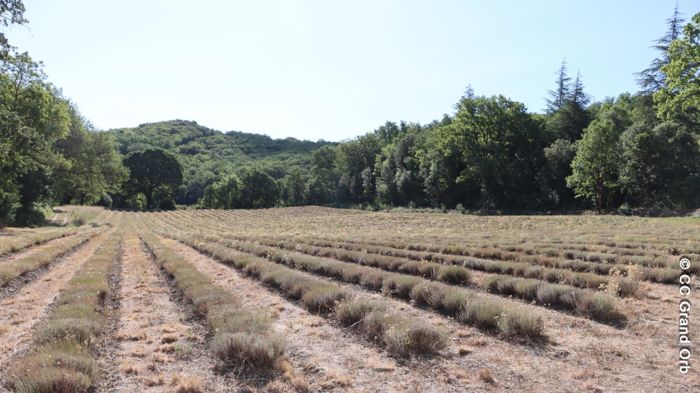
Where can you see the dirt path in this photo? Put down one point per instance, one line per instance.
(20, 313)
(329, 358)
(159, 351)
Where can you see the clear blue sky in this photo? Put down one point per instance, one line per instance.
(329, 69)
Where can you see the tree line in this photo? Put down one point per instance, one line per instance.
(633, 151)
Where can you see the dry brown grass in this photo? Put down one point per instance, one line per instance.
(486, 375)
(186, 384)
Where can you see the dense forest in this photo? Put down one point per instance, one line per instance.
(207, 155)
(634, 151)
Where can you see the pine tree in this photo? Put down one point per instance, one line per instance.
(560, 95)
(653, 78)
(578, 96)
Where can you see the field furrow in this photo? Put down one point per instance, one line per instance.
(577, 352)
(20, 313)
(312, 343)
(17, 271)
(16, 246)
(158, 349)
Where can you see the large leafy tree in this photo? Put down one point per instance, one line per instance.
(224, 194)
(679, 98)
(660, 166)
(355, 164)
(494, 147)
(293, 188)
(93, 167)
(153, 170)
(258, 189)
(398, 171)
(33, 118)
(595, 168)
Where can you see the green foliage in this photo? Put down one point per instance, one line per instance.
(653, 78)
(224, 194)
(259, 190)
(487, 156)
(34, 118)
(293, 188)
(323, 184)
(94, 167)
(679, 98)
(595, 168)
(491, 153)
(11, 13)
(154, 173)
(208, 155)
(660, 166)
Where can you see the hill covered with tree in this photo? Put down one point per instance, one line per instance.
(207, 155)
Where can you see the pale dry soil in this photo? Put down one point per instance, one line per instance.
(19, 314)
(158, 350)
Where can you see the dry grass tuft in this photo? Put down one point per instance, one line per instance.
(186, 384)
(486, 375)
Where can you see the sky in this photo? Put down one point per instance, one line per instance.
(329, 69)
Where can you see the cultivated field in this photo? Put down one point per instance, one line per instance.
(319, 299)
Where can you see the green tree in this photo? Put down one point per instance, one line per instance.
(398, 172)
(258, 189)
(355, 164)
(679, 98)
(11, 13)
(33, 116)
(93, 168)
(293, 188)
(488, 156)
(653, 78)
(559, 156)
(595, 168)
(150, 170)
(660, 166)
(562, 92)
(224, 194)
(322, 186)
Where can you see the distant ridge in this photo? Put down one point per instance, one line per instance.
(206, 154)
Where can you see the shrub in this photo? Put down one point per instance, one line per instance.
(80, 330)
(241, 337)
(429, 294)
(418, 338)
(601, 307)
(454, 301)
(63, 360)
(52, 380)
(483, 314)
(257, 351)
(426, 339)
(323, 298)
(350, 312)
(454, 275)
(521, 323)
(400, 285)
